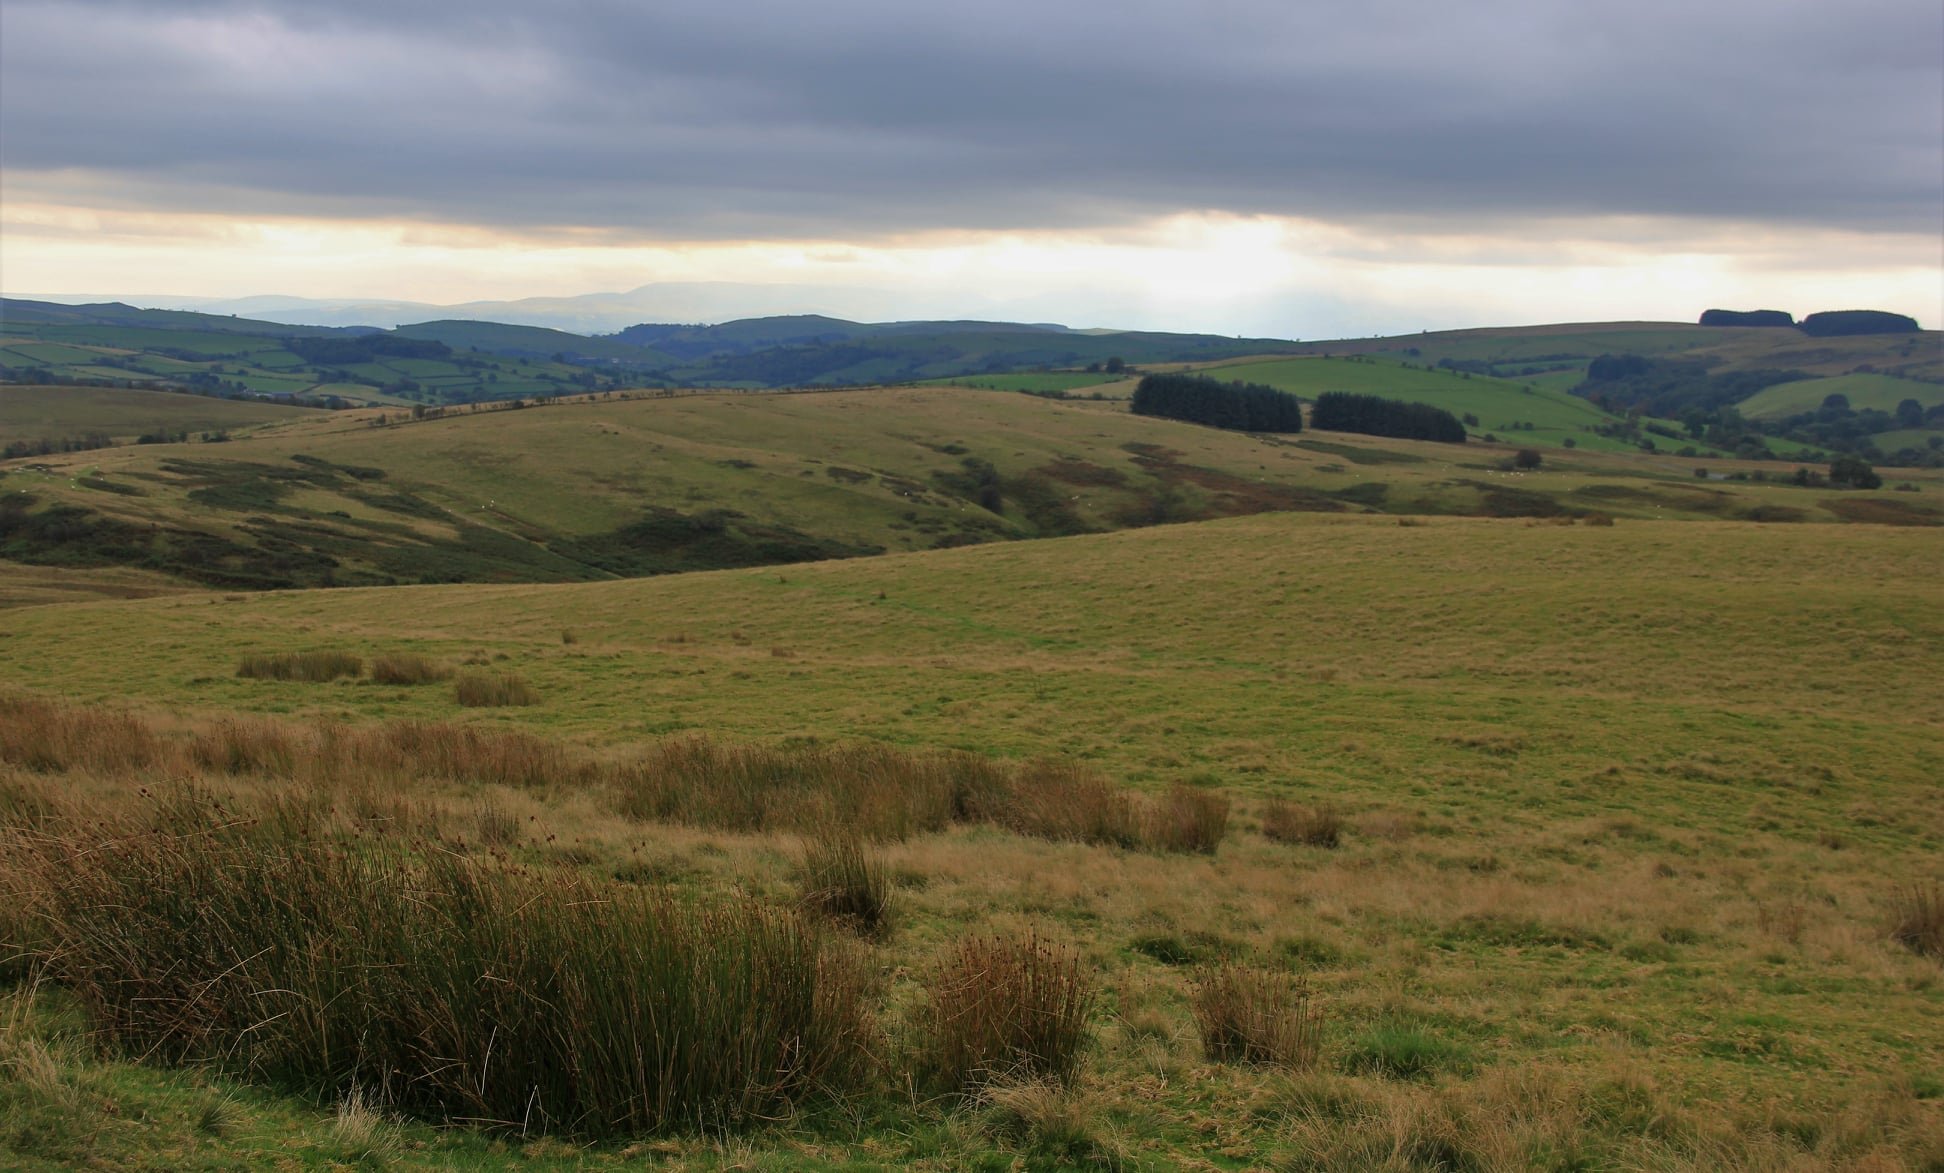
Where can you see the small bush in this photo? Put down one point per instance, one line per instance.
(1248, 1014)
(1316, 826)
(569, 637)
(844, 881)
(485, 690)
(312, 667)
(1188, 820)
(1005, 1009)
(406, 668)
(1597, 519)
(1919, 927)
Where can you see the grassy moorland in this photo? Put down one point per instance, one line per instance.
(55, 414)
(1327, 842)
(620, 486)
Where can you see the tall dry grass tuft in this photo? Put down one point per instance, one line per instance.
(408, 668)
(314, 667)
(880, 791)
(1249, 1014)
(1315, 826)
(844, 881)
(243, 745)
(1187, 819)
(1070, 801)
(1918, 912)
(488, 690)
(47, 737)
(467, 990)
(1005, 1009)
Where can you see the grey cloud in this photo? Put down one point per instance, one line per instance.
(856, 117)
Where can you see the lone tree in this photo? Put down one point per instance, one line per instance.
(1851, 471)
(1528, 458)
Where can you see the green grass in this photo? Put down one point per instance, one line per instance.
(1115, 386)
(1624, 822)
(590, 489)
(55, 412)
(1882, 392)
(1498, 404)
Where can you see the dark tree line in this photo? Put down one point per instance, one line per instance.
(1840, 323)
(1748, 318)
(1198, 399)
(1372, 415)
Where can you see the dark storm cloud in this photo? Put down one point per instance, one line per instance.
(854, 117)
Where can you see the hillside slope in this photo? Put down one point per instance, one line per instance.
(614, 486)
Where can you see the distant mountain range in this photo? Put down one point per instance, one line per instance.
(453, 360)
(593, 313)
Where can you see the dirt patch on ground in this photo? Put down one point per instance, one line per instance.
(1882, 511)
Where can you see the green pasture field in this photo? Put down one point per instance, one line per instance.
(1882, 392)
(1498, 403)
(1118, 388)
(57, 412)
(1627, 812)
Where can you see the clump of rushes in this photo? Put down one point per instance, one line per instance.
(195, 933)
(1005, 1009)
(1188, 819)
(1250, 1014)
(314, 667)
(1288, 822)
(842, 879)
(1919, 913)
(1068, 800)
(485, 690)
(407, 668)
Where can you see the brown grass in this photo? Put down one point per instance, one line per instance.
(1005, 1009)
(1315, 826)
(1188, 819)
(842, 879)
(485, 690)
(1248, 1014)
(313, 667)
(1918, 910)
(407, 668)
(1067, 800)
(194, 930)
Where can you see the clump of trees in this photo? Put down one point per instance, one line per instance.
(1840, 323)
(1198, 399)
(1748, 318)
(1372, 415)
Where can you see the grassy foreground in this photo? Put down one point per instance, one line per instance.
(1589, 847)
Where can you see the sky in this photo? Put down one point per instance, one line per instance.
(1261, 167)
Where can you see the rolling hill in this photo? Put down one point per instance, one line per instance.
(645, 483)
